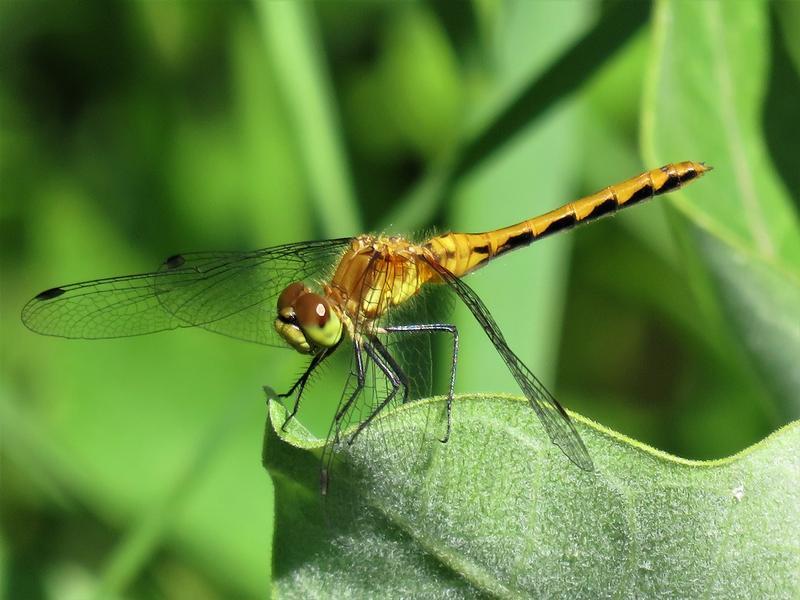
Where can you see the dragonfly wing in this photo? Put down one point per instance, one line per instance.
(386, 370)
(555, 419)
(232, 293)
(414, 350)
(383, 463)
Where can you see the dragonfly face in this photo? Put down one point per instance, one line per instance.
(306, 320)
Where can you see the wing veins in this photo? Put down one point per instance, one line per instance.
(553, 416)
(139, 304)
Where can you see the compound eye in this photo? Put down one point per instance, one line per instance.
(312, 310)
(287, 299)
(317, 320)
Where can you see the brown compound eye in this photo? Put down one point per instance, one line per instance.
(312, 310)
(287, 299)
(317, 320)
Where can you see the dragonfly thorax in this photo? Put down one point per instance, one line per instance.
(376, 274)
(306, 320)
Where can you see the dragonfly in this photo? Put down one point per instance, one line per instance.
(313, 296)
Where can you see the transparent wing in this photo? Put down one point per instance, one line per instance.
(388, 457)
(555, 419)
(379, 362)
(232, 293)
(410, 353)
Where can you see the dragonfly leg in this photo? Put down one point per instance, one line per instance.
(394, 373)
(327, 455)
(360, 379)
(301, 383)
(453, 331)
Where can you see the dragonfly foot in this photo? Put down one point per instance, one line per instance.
(286, 422)
(353, 437)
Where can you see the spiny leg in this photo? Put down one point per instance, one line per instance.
(302, 381)
(344, 405)
(452, 330)
(394, 373)
(360, 380)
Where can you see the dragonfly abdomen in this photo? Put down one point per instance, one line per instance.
(462, 253)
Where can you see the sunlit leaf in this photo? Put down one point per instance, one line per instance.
(499, 510)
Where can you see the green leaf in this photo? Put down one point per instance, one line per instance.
(499, 510)
(703, 101)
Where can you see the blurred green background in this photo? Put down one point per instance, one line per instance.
(132, 131)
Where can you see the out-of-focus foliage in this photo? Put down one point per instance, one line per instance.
(131, 131)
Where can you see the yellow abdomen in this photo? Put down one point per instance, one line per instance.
(462, 253)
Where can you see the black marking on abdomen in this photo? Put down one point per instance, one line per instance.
(521, 239)
(515, 241)
(688, 175)
(50, 294)
(673, 182)
(481, 249)
(605, 207)
(560, 224)
(175, 261)
(643, 193)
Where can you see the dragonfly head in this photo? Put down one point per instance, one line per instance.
(306, 320)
